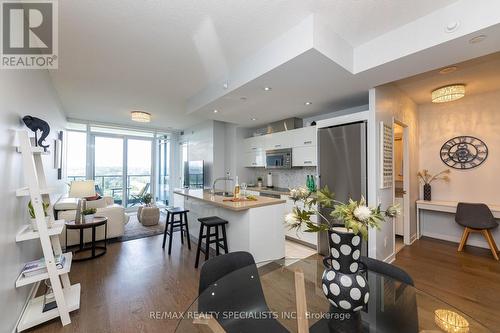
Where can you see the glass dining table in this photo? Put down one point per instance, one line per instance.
(246, 299)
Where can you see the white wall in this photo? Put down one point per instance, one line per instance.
(219, 145)
(22, 93)
(478, 116)
(389, 103)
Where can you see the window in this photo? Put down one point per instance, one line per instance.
(76, 155)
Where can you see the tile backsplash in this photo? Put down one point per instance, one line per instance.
(285, 178)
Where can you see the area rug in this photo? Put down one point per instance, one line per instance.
(135, 230)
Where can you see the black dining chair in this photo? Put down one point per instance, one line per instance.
(476, 218)
(384, 268)
(223, 293)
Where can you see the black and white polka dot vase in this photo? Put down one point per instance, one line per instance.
(344, 285)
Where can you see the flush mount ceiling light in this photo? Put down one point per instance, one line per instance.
(448, 70)
(268, 88)
(140, 116)
(216, 111)
(477, 39)
(254, 119)
(448, 93)
(308, 103)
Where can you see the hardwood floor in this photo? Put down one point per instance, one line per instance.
(469, 280)
(120, 289)
(134, 278)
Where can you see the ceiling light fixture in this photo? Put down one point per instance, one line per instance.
(308, 103)
(216, 111)
(477, 39)
(268, 88)
(448, 70)
(140, 116)
(448, 93)
(452, 26)
(254, 119)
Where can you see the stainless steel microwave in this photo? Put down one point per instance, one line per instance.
(279, 159)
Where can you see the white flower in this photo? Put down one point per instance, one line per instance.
(291, 219)
(362, 213)
(299, 193)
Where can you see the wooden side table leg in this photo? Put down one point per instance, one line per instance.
(93, 241)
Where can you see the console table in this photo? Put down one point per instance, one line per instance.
(446, 207)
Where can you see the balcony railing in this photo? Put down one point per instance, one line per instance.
(112, 185)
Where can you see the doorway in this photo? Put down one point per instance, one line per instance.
(401, 172)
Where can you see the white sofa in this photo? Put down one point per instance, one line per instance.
(65, 209)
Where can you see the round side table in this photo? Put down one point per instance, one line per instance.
(97, 222)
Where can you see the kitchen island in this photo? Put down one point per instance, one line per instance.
(254, 226)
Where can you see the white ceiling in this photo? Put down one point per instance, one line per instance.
(119, 55)
(479, 75)
(308, 77)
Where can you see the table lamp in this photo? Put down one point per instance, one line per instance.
(81, 190)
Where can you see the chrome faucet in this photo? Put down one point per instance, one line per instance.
(225, 179)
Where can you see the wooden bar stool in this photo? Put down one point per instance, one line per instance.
(211, 222)
(172, 225)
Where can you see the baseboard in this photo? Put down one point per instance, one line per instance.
(31, 295)
(471, 242)
(390, 259)
(301, 242)
(413, 239)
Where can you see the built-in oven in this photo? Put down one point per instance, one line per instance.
(279, 159)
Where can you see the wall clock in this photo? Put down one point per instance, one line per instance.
(464, 152)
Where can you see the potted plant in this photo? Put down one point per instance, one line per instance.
(31, 211)
(427, 179)
(89, 214)
(148, 214)
(343, 284)
(259, 181)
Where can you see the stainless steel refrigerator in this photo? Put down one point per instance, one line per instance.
(342, 166)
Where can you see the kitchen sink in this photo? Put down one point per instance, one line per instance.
(224, 194)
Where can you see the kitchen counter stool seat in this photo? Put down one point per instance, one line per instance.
(211, 237)
(172, 225)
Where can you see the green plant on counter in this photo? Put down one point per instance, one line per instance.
(89, 211)
(31, 209)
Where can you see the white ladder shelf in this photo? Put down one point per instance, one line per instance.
(67, 296)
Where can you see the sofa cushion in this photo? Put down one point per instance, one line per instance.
(66, 204)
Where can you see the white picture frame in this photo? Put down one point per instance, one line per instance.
(386, 156)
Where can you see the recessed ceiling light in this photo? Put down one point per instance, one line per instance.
(477, 39)
(448, 93)
(308, 103)
(452, 26)
(268, 88)
(140, 116)
(448, 70)
(254, 119)
(216, 111)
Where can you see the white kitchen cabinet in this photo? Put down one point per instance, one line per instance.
(306, 136)
(303, 141)
(300, 235)
(304, 156)
(254, 143)
(279, 140)
(255, 159)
